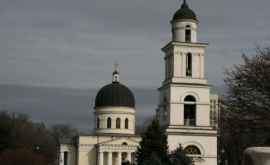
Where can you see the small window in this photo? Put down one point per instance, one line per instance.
(165, 108)
(98, 123)
(188, 34)
(109, 122)
(118, 123)
(192, 150)
(126, 123)
(189, 64)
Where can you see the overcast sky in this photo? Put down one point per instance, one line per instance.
(74, 43)
(67, 106)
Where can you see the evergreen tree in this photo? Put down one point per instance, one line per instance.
(179, 157)
(153, 160)
(154, 142)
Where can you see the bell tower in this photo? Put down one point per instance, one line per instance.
(184, 101)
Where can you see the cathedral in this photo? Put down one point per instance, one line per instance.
(187, 108)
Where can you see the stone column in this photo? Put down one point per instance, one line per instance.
(129, 156)
(109, 158)
(119, 158)
(61, 158)
(100, 158)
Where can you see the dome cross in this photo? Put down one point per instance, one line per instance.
(115, 75)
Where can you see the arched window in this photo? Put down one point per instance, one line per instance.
(190, 111)
(109, 122)
(190, 98)
(192, 150)
(188, 34)
(126, 123)
(189, 64)
(98, 123)
(118, 123)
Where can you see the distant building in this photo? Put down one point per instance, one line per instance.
(214, 110)
(186, 108)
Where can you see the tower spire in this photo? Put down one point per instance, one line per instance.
(115, 75)
(185, 4)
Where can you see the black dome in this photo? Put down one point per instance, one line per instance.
(185, 13)
(115, 94)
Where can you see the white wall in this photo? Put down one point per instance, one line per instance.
(116, 112)
(180, 53)
(176, 95)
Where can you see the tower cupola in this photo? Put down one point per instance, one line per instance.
(184, 24)
(185, 13)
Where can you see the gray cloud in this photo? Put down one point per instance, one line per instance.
(73, 43)
(66, 106)
(68, 43)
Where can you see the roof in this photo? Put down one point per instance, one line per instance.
(116, 95)
(185, 13)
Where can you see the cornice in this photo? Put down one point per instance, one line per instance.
(187, 44)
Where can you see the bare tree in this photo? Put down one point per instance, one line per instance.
(19, 134)
(246, 109)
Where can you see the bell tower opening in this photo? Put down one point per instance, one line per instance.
(190, 111)
(189, 65)
(188, 34)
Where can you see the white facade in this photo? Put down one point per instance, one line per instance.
(99, 150)
(113, 143)
(184, 102)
